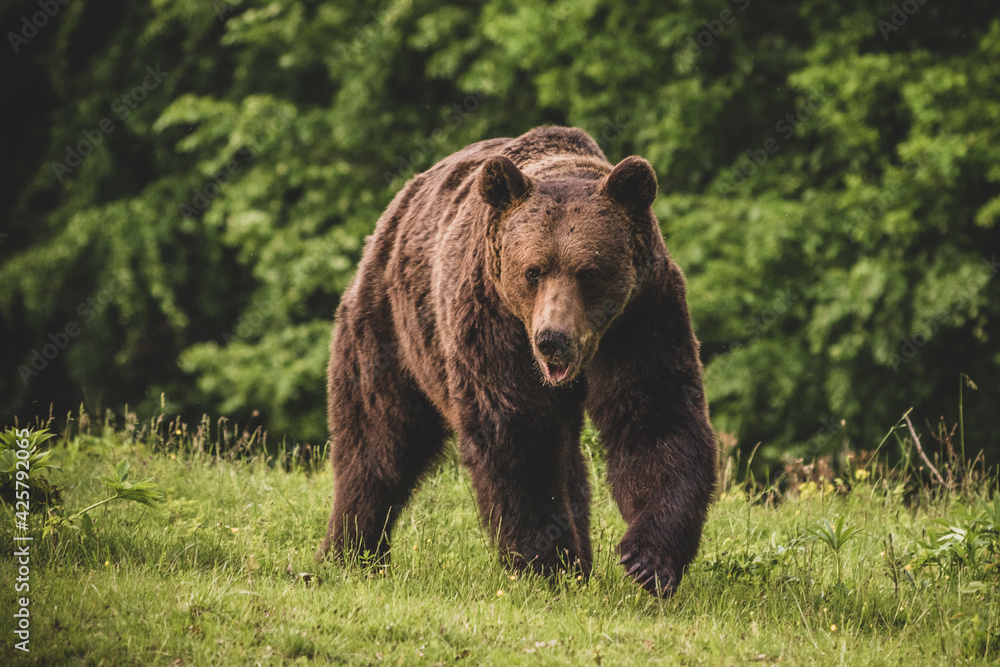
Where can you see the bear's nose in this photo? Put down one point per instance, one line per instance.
(552, 344)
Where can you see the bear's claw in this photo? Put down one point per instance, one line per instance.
(657, 581)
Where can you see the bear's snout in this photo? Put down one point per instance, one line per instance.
(553, 344)
(557, 355)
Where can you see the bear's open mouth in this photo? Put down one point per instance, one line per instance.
(556, 373)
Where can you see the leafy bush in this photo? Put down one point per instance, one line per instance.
(26, 476)
(34, 460)
(969, 537)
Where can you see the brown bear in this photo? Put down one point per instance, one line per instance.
(506, 290)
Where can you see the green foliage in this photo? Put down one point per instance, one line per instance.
(120, 487)
(969, 538)
(117, 485)
(834, 535)
(34, 460)
(831, 188)
(759, 563)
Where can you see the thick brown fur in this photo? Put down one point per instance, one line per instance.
(506, 290)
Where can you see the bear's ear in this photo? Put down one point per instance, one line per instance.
(632, 183)
(501, 183)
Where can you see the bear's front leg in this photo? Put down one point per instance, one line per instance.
(532, 490)
(646, 400)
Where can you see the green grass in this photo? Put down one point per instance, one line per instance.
(213, 575)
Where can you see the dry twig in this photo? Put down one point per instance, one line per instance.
(920, 450)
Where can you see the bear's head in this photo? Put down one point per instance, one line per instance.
(565, 253)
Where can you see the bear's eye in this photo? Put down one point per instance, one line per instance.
(587, 275)
(531, 275)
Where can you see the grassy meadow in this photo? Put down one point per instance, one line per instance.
(876, 566)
